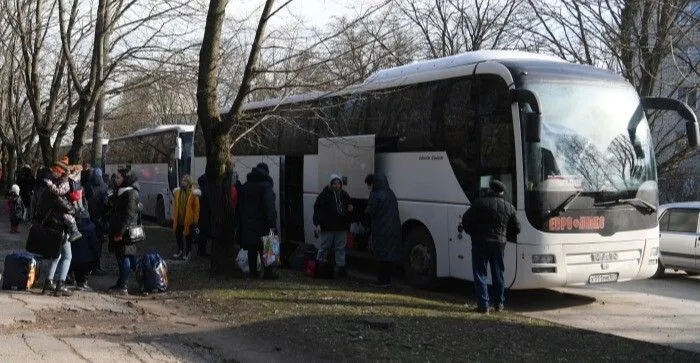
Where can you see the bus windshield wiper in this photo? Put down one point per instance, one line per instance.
(635, 202)
(565, 204)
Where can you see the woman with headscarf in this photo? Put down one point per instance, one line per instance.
(124, 215)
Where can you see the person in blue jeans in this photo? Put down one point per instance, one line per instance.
(63, 260)
(491, 222)
(331, 219)
(124, 215)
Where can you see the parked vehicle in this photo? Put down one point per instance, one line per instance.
(679, 237)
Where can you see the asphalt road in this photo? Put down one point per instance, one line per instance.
(662, 310)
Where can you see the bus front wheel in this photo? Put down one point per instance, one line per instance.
(160, 212)
(420, 261)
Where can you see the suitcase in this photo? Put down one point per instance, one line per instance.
(20, 271)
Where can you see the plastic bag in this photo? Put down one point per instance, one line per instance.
(271, 249)
(242, 261)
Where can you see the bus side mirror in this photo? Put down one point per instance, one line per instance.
(533, 118)
(683, 110)
(177, 153)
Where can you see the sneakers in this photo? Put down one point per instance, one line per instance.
(48, 287)
(179, 255)
(481, 310)
(119, 290)
(499, 308)
(83, 287)
(62, 290)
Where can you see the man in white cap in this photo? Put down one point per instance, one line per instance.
(331, 212)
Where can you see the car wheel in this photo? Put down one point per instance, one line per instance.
(660, 270)
(420, 262)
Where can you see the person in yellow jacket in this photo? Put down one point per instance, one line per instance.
(185, 216)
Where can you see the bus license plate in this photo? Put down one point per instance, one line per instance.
(602, 278)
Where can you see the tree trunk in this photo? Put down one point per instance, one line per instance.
(47, 151)
(220, 178)
(11, 164)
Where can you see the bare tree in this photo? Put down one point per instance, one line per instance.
(644, 40)
(449, 27)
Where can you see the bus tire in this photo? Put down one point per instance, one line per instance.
(420, 264)
(660, 269)
(160, 212)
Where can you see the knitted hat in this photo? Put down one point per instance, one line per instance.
(60, 166)
(497, 186)
(15, 189)
(335, 177)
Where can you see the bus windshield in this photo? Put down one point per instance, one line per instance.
(595, 149)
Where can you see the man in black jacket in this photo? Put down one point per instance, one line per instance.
(330, 218)
(491, 222)
(257, 214)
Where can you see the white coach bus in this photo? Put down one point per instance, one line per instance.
(159, 157)
(571, 142)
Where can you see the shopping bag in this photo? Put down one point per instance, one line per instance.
(242, 261)
(271, 250)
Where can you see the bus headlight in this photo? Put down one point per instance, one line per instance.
(654, 253)
(543, 259)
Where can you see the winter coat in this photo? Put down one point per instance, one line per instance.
(16, 208)
(49, 207)
(96, 195)
(326, 214)
(256, 209)
(26, 185)
(191, 210)
(204, 208)
(87, 249)
(124, 214)
(383, 210)
(491, 220)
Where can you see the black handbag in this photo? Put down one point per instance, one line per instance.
(45, 241)
(136, 233)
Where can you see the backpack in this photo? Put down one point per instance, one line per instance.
(152, 272)
(20, 271)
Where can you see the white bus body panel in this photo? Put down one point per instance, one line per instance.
(351, 157)
(153, 179)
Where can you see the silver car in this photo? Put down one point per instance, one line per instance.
(679, 242)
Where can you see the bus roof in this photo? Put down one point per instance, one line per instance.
(158, 129)
(105, 141)
(416, 72)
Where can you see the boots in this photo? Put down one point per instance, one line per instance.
(75, 233)
(48, 286)
(62, 290)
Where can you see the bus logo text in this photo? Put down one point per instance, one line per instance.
(592, 223)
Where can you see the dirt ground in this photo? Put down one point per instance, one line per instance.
(296, 318)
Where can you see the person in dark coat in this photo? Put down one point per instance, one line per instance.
(86, 252)
(257, 213)
(491, 222)
(96, 194)
(49, 211)
(383, 211)
(204, 216)
(26, 183)
(124, 214)
(331, 219)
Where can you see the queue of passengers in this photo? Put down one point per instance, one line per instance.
(59, 196)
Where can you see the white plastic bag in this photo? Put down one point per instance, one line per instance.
(242, 261)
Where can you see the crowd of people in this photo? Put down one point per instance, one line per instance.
(78, 199)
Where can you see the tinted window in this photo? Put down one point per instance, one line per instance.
(663, 222)
(683, 221)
